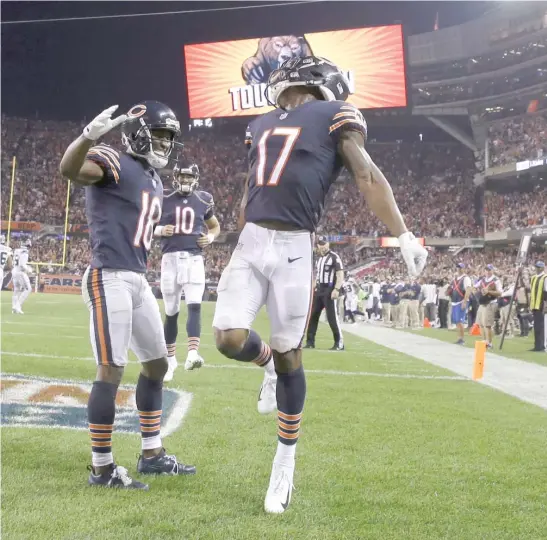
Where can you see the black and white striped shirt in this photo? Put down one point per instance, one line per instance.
(326, 268)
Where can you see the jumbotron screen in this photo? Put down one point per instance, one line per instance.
(229, 78)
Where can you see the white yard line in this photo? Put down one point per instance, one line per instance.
(523, 380)
(389, 359)
(240, 366)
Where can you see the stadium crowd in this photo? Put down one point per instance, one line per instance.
(468, 88)
(498, 59)
(431, 182)
(517, 139)
(516, 210)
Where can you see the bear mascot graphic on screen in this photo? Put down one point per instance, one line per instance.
(270, 54)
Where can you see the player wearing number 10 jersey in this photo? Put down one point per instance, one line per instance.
(295, 156)
(188, 224)
(123, 205)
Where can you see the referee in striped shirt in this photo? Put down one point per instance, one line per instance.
(329, 278)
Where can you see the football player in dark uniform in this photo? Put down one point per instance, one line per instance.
(188, 225)
(296, 152)
(123, 205)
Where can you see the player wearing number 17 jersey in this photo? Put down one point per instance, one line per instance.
(188, 224)
(123, 204)
(296, 153)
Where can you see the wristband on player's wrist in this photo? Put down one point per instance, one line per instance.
(210, 237)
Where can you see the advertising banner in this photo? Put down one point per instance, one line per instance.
(61, 283)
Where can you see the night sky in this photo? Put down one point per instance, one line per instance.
(72, 69)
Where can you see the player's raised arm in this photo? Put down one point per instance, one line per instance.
(74, 164)
(379, 196)
(371, 181)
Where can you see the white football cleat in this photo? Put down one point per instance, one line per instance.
(280, 489)
(172, 365)
(267, 400)
(193, 361)
(17, 310)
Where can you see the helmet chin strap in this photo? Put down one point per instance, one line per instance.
(153, 159)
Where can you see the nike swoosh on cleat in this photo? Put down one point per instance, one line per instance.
(292, 260)
(286, 503)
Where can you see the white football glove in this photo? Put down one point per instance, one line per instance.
(103, 123)
(414, 254)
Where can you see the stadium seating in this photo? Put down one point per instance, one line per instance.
(431, 182)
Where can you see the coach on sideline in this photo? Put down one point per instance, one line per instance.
(329, 273)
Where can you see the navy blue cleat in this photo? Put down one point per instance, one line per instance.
(163, 463)
(114, 477)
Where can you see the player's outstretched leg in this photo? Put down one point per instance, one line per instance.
(15, 307)
(101, 409)
(246, 346)
(193, 330)
(149, 398)
(27, 289)
(291, 395)
(171, 330)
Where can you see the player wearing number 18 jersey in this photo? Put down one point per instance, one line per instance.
(188, 224)
(123, 204)
(295, 155)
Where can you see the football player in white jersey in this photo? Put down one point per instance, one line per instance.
(350, 299)
(20, 273)
(6, 258)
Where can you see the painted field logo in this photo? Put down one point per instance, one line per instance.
(53, 403)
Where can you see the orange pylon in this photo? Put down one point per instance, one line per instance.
(478, 364)
(475, 330)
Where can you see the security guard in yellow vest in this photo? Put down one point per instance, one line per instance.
(538, 296)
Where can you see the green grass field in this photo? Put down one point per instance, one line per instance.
(390, 448)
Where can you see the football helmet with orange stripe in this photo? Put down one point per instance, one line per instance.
(311, 71)
(150, 132)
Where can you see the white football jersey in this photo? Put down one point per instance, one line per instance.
(5, 252)
(376, 290)
(20, 259)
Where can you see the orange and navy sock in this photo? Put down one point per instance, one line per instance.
(254, 350)
(193, 344)
(264, 357)
(170, 331)
(291, 395)
(101, 409)
(193, 326)
(149, 396)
